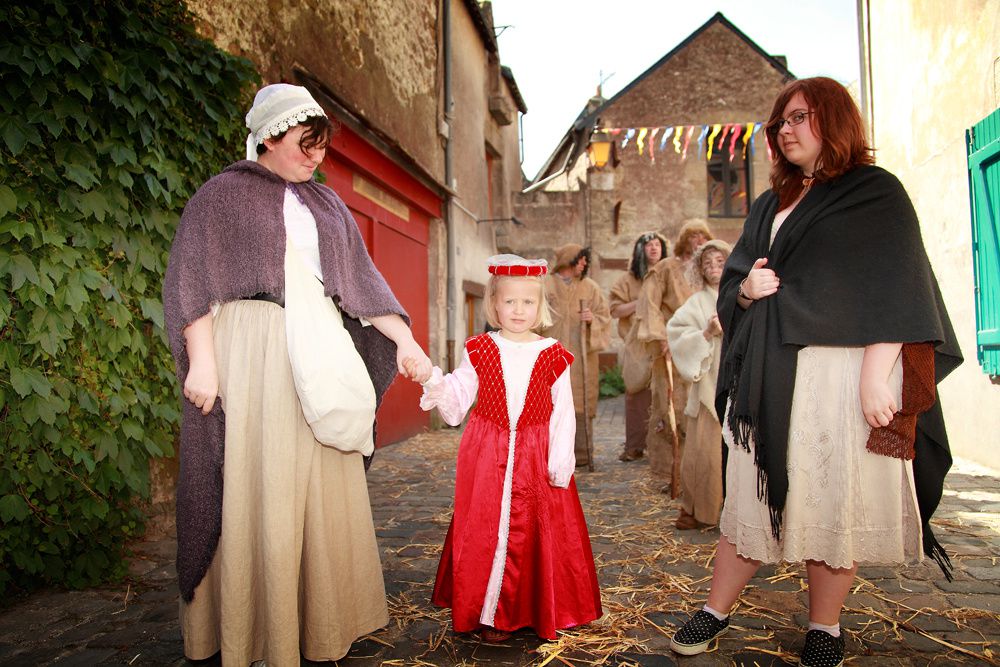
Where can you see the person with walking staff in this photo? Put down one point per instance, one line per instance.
(835, 335)
(664, 289)
(517, 553)
(637, 363)
(285, 337)
(581, 321)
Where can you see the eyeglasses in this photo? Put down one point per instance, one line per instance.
(796, 118)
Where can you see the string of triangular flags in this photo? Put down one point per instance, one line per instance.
(720, 137)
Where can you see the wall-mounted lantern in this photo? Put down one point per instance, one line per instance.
(599, 149)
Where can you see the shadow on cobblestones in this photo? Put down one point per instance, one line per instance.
(652, 576)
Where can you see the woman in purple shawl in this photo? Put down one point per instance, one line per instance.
(276, 549)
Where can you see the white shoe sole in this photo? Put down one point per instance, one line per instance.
(695, 649)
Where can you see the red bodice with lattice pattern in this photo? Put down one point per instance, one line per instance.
(492, 402)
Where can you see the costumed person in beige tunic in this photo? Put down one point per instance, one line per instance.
(664, 289)
(565, 288)
(649, 249)
(694, 335)
(834, 337)
(276, 551)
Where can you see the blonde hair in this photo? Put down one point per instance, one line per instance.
(544, 318)
(689, 229)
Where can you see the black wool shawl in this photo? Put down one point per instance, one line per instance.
(853, 272)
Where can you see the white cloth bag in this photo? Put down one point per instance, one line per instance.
(334, 388)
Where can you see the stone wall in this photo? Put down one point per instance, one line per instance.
(379, 56)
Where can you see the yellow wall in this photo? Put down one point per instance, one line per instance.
(934, 72)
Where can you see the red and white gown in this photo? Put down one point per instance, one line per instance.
(518, 551)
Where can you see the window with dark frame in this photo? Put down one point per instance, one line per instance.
(728, 181)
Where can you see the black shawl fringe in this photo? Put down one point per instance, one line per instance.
(746, 430)
(934, 550)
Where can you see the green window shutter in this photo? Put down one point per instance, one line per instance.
(983, 148)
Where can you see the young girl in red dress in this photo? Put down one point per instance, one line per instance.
(517, 552)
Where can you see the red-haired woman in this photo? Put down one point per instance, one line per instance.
(835, 336)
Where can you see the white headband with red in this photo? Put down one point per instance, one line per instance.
(513, 265)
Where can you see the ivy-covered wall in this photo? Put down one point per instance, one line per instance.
(113, 113)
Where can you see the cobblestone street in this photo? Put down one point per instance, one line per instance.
(651, 576)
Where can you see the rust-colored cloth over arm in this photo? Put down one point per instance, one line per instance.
(896, 439)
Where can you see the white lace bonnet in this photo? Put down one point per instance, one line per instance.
(275, 109)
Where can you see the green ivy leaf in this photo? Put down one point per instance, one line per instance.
(13, 508)
(152, 309)
(8, 200)
(29, 380)
(132, 429)
(80, 174)
(17, 228)
(21, 269)
(94, 203)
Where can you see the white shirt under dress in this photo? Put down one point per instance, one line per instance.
(454, 394)
(844, 504)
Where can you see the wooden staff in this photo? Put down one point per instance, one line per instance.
(675, 467)
(586, 403)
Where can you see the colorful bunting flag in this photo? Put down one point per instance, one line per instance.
(628, 135)
(687, 140)
(701, 139)
(666, 135)
(711, 138)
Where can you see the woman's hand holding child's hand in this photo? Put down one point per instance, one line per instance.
(414, 365)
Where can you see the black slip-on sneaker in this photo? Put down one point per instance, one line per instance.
(695, 635)
(822, 650)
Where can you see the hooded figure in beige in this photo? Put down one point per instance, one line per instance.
(637, 363)
(665, 289)
(565, 288)
(695, 337)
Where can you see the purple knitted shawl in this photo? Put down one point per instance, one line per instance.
(230, 244)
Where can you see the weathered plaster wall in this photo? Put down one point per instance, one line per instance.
(475, 78)
(380, 56)
(935, 72)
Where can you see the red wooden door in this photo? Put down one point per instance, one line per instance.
(393, 212)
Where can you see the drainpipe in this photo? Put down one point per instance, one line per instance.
(864, 59)
(449, 220)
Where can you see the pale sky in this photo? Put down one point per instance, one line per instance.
(558, 49)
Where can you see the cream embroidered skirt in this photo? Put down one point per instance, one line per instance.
(844, 503)
(297, 568)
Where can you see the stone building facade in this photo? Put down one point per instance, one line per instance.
(717, 76)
